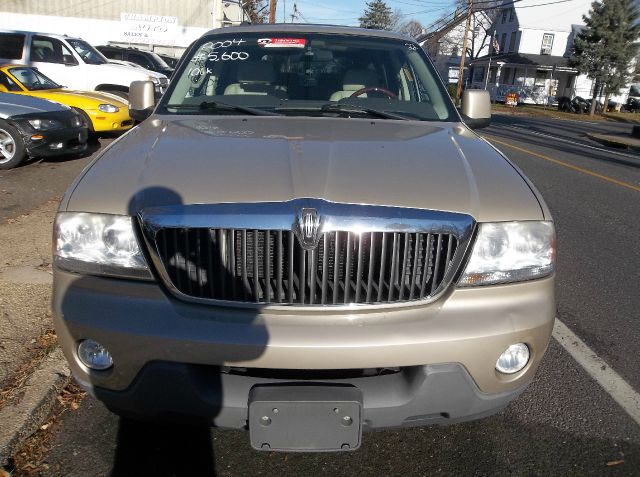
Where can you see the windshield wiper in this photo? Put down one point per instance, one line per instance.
(218, 106)
(345, 108)
(350, 108)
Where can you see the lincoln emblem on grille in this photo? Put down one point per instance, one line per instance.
(307, 228)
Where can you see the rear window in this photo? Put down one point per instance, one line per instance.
(11, 46)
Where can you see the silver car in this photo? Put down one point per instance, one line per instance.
(34, 127)
(304, 239)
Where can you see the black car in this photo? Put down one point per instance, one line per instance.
(37, 128)
(146, 59)
(170, 60)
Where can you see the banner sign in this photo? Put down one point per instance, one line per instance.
(149, 29)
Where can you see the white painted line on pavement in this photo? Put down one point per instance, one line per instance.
(599, 370)
(536, 133)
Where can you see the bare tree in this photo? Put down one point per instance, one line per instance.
(396, 19)
(256, 10)
(482, 22)
(411, 28)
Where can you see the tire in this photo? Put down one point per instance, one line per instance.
(12, 150)
(87, 120)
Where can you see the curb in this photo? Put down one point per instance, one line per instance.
(608, 140)
(19, 421)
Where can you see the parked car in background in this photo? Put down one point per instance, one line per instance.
(73, 62)
(103, 112)
(126, 63)
(33, 127)
(147, 59)
(172, 61)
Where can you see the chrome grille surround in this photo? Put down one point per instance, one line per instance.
(200, 232)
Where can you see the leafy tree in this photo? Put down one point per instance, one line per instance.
(377, 15)
(606, 46)
(256, 10)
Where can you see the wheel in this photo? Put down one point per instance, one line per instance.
(12, 150)
(376, 89)
(87, 120)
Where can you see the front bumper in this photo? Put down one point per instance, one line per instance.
(446, 350)
(55, 142)
(105, 122)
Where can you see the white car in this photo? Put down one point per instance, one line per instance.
(73, 62)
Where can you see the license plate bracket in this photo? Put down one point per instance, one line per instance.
(305, 418)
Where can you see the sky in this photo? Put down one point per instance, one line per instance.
(347, 12)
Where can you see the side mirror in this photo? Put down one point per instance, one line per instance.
(476, 108)
(141, 100)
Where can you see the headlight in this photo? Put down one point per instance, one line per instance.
(508, 252)
(44, 124)
(108, 108)
(98, 244)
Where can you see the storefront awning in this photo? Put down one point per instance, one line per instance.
(521, 60)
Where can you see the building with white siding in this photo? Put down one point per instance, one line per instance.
(165, 26)
(535, 40)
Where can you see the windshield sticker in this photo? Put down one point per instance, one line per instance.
(282, 42)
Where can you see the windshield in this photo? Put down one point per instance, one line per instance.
(87, 52)
(32, 79)
(303, 74)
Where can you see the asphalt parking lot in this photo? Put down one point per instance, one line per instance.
(577, 418)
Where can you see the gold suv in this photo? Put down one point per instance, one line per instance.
(304, 239)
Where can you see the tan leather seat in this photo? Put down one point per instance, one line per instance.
(354, 80)
(256, 78)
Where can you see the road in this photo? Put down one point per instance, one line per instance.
(565, 423)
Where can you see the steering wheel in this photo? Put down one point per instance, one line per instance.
(377, 89)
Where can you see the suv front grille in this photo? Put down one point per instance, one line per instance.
(270, 266)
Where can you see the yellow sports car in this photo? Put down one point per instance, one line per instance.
(102, 111)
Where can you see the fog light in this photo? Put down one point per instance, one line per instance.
(56, 145)
(513, 359)
(93, 355)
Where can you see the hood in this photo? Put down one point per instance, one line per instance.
(187, 160)
(81, 98)
(143, 73)
(15, 104)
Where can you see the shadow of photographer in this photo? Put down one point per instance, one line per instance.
(166, 382)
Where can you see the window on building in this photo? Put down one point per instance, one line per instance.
(504, 15)
(512, 41)
(547, 44)
(503, 41)
(512, 14)
(478, 74)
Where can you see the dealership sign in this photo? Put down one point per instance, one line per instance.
(150, 29)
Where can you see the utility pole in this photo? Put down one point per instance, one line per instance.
(464, 50)
(272, 10)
